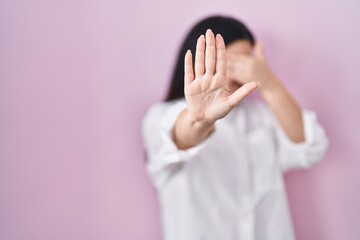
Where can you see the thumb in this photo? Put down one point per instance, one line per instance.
(259, 49)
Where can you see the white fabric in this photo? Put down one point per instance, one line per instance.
(231, 185)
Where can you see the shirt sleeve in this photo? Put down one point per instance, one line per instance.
(292, 155)
(164, 158)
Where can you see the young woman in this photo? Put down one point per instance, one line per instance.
(216, 157)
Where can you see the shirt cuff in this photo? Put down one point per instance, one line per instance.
(309, 120)
(167, 126)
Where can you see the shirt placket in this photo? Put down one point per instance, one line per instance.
(246, 214)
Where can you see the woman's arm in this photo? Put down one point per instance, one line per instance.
(207, 93)
(282, 104)
(285, 108)
(188, 133)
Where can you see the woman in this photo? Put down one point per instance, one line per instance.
(216, 157)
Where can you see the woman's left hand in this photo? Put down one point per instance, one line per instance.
(247, 68)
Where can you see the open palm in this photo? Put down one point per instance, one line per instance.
(207, 93)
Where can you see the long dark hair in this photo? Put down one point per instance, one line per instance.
(230, 28)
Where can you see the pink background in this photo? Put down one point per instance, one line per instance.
(77, 76)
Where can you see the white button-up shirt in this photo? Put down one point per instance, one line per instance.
(231, 185)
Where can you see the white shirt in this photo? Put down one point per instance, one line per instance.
(231, 185)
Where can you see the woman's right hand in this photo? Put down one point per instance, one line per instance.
(207, 92)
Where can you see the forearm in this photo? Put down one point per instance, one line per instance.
(188, 133)
(286, 110)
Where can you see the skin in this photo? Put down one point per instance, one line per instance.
(221, 78)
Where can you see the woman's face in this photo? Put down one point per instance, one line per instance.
(237, 47)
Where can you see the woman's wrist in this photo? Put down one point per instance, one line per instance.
(198, 124)
(189, 133)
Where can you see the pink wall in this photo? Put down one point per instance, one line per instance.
(77, 76)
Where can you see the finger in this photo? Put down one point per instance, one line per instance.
(230, 66)
(237, 67)
(259, 50)
(200, 56)
(236, 54)
(188, 68)
(243, 57)
(220, 56)
(210, 52)
(239, 58)
(241, 93)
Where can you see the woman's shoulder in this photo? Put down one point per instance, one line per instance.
(161, 109)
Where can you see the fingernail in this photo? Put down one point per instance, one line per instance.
(258, 83)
